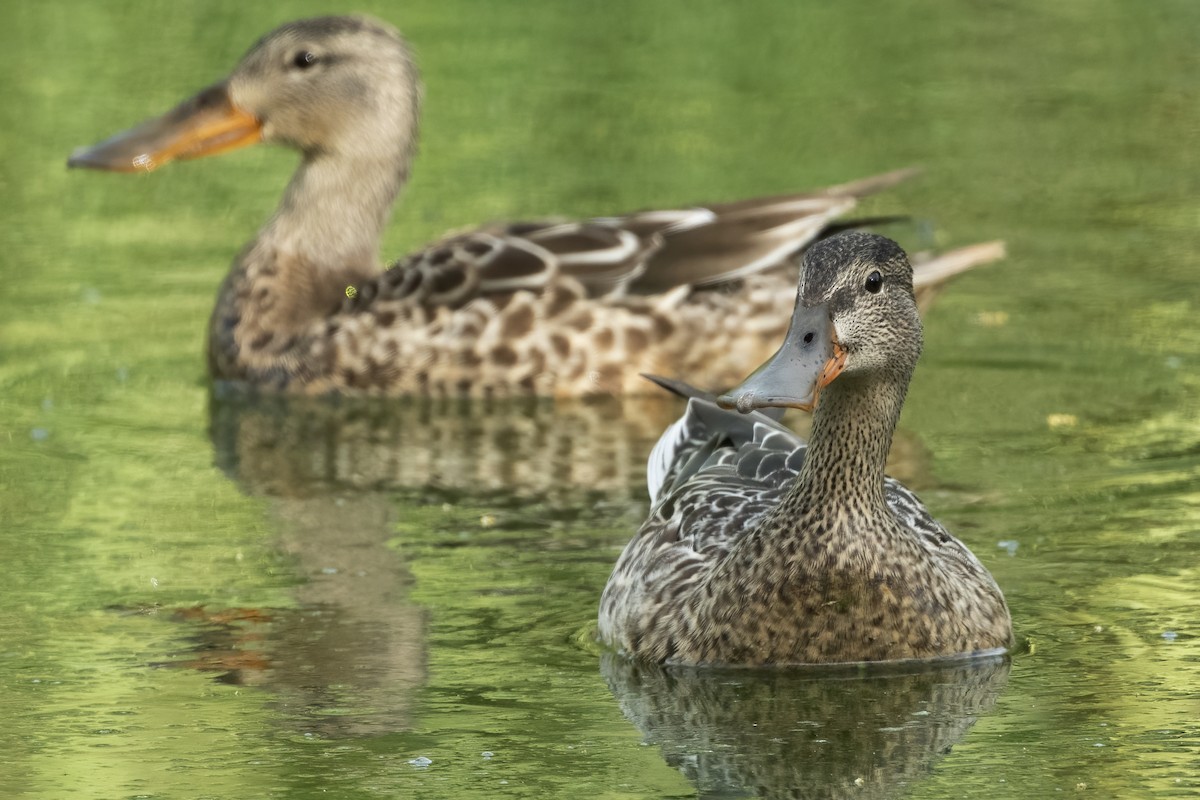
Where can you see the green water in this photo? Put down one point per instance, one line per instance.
(388, 583)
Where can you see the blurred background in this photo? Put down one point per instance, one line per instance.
(215, 597)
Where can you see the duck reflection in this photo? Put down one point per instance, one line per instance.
(347, 659)
(805, 733)
(564, 451)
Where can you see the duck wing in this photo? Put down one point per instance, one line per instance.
(714, 473)
(691, 440)
(644, 253)
(503, 259)
(726, 242)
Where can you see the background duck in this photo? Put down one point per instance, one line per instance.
(760, 549)
(549, 307)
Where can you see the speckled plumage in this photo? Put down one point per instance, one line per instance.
(551, 308)
(761, 549)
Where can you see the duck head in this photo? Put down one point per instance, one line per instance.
(339, 86)
(855, 319)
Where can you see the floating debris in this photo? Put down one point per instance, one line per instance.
(992, 319)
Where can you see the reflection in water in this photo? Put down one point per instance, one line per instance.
(347, 659)
(805, 733)
(285, 446)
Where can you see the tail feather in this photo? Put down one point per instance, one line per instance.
(945, 266)
(876, 183)
(678, 387)
(930, 277)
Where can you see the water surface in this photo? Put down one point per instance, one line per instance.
(264, 599)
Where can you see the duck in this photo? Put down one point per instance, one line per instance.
(548, 307)
(763, 549)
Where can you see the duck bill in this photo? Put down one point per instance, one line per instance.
(808, 361)
(204, 125)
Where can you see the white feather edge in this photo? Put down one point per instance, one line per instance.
(663, 456)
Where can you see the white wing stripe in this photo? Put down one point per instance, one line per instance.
(663, 456)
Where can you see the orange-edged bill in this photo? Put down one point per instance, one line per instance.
(203, 125)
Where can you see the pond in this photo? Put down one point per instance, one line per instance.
(213, 596)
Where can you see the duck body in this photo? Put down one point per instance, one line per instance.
(551, 307)
(763, 549)
(497, 312)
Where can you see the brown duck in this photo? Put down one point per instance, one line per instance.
(760, 549)
(550, 307)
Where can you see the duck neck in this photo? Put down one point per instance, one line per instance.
(323, 237)
(848, 448)
(333, 213)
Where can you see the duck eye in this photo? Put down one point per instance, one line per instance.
(304, 59)
(874, 282)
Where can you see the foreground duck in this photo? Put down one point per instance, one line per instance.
(762, 550)
(550, 308)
